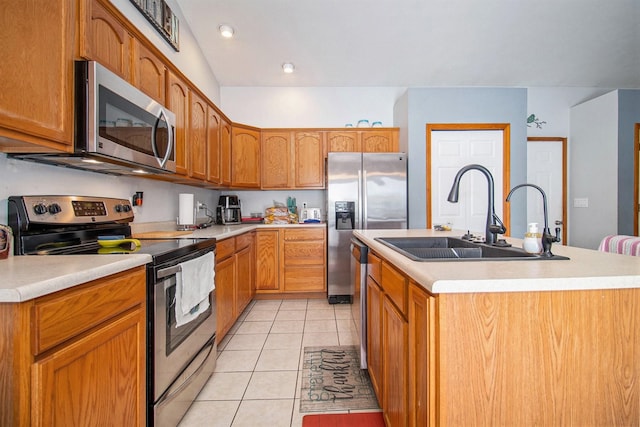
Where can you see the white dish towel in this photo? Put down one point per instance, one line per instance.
(193, 284)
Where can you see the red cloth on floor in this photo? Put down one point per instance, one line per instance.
(364, 419)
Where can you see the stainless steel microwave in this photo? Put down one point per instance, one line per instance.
(118, 128)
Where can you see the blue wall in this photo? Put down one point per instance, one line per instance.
(629, 115)
(462, 105)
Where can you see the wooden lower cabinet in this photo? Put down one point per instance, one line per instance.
(388, 346)
(291, 260)
(235, 279)
(86, 350)
(245, 270)
(374, 335)
(267, 261)
(421, 360)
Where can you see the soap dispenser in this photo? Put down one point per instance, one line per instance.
(532, 243)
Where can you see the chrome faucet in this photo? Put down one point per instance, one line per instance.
(494, 226)
(547, 237)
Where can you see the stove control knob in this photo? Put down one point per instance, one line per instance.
(126, 208)
(54, 208)
(40, 209)
(118, 208)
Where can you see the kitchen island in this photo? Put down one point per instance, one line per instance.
(552, 342)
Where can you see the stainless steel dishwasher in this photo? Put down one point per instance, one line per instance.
(359, 256)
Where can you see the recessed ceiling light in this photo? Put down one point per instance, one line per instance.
(288, 67)
(226, 31)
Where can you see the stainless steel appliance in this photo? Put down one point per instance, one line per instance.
(180, 359)
(119, 129)
(228, 210)
(359, 257)
(364, 191)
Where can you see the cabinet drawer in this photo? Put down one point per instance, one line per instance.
(304, 253)
(373, 267)
(395, 286)
(244, 240)
(304, 234)
(225, 248)
(304, 279)
(65, 314)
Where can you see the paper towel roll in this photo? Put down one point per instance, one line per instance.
(186, 212)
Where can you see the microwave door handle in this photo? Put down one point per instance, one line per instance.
(169, 136)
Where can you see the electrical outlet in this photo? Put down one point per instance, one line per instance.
(200, 205)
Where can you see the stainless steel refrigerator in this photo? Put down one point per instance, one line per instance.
(364, 191)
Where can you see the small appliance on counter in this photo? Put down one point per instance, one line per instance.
(228, 210)
(310, 215)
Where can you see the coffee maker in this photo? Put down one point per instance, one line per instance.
(228, 210)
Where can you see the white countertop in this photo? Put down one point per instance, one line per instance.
(222, 232)
(586, 269)
(23, 278)
(31, 276)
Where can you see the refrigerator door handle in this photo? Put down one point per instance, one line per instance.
(363, 199)
(358, 215)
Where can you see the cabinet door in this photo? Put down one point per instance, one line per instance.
(343, 141)
(213, 146)
(394, 365)
(374, 335)
(421, 333)
(379, 141)
(267, 260)
(244, 278)
(309, 160)
(36, 88)
(149, 73)
(225, 152)
(106, 40)
(197, 132)
(276, 159)
(178, 103)
(245, 157)
(225, 282)
(97, 380)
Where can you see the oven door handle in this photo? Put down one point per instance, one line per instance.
(169, 271)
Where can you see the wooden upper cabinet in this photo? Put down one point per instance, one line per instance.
(245, 156)
(178, 103)
(309, 160)
(36, 87)
(276, 159)
(379, 141)
(343, 141)
(197, 140)
(213, 145)
(292, 159)
(105, 39)
(149, 73)
(376, 140)
(225, 152)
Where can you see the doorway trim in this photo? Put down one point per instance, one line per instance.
(564, 178)
(636, 179)
(506, 159)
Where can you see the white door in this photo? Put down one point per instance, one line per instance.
(544, 169)
(450, 151)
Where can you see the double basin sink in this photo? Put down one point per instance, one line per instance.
(457, 249)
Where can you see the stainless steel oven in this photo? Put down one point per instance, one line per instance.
(180, 359)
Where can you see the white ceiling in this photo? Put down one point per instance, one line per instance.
(421, 43)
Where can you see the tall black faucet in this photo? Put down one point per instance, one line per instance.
(547, 237)
(494, 226)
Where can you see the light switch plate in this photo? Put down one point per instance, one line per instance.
(581, 202)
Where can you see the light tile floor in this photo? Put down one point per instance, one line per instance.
(257, 377)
